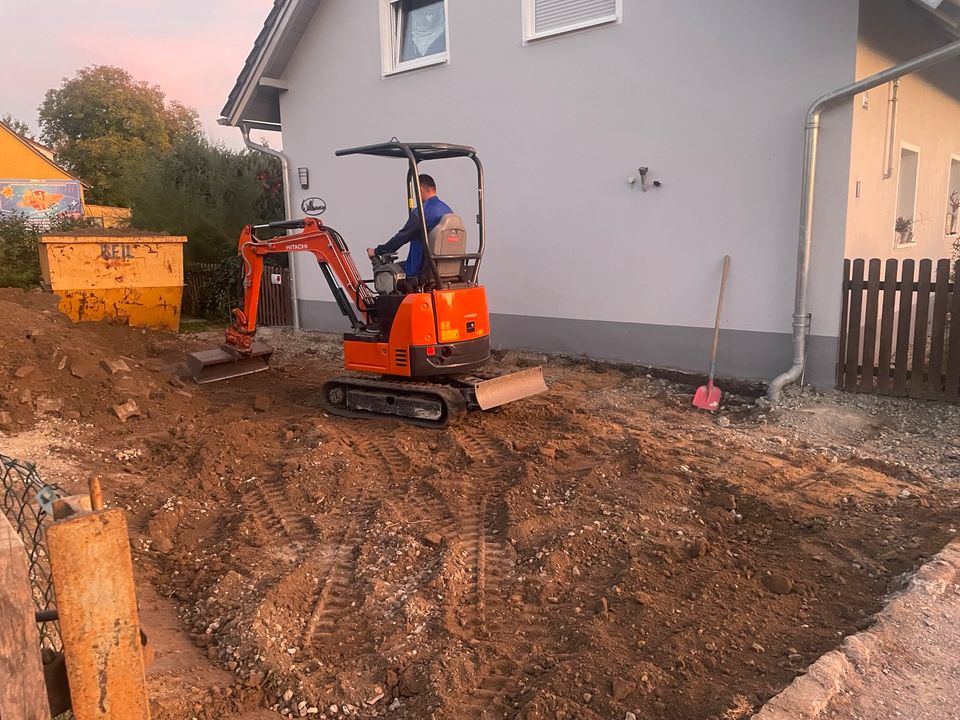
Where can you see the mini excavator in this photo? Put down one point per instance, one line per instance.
(418, 343)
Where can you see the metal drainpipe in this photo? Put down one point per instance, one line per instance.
(894, 106)
(800, 314)
(285, 165)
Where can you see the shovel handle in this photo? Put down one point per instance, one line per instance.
(716, 325)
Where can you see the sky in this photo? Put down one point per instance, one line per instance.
(192, 49)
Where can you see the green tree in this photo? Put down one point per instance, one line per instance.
(208, 193)
(17, 125)
(106, 126)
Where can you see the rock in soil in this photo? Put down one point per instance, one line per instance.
(48, 405)
(778, 584)
(114, 367)
(25, 371)
(126, 411)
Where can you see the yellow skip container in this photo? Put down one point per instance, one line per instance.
(122, 276)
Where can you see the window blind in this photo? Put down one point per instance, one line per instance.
(555, 14)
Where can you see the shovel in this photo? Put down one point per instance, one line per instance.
(707, 396)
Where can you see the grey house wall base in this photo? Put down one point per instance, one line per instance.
(742, 354)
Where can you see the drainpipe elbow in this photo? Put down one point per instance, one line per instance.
(775, 391)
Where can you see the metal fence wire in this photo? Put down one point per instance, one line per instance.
(20, 485)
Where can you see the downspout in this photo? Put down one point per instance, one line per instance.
(801, 319)
(894, 103)
(285, 166)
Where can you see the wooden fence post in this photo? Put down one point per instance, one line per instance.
(23, 694)
(93, 578)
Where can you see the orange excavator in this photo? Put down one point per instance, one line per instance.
(418, 343)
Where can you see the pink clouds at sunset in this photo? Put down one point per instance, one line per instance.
(192, 49)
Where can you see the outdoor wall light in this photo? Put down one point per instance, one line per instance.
(304, 174)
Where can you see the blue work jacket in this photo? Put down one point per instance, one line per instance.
(412, 233)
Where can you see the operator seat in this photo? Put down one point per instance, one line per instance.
(449, 237)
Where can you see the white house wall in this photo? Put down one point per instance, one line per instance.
(711, 96)
(928, 120)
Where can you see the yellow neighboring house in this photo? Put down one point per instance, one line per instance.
(34, 186)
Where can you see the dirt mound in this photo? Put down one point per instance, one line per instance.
(593, 552)
(81, 372)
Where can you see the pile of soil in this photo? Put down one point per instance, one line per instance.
(600, 551)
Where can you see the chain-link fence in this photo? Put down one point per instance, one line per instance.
(20, 484)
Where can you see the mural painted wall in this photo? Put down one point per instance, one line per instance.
(40, 199)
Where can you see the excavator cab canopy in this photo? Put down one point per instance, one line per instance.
(414, 154)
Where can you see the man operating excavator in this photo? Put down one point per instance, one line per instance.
(412, 232)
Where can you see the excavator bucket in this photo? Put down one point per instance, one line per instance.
(225, 362)
(508, 388)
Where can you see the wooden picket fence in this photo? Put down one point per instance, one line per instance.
(196, 284)
(275, 302)
(900, 332)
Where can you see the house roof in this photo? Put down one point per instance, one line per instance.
(255, 97)
(41, 151)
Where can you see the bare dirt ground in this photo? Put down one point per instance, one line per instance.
(595, 552)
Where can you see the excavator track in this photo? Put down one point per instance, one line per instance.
(424, 404)
(428, 404)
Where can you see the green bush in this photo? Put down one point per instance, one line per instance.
(225, 290)
(19, 248)
(208, 193)
(19, 260)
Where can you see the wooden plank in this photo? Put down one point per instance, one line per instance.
(852, 362)
(953, 353)
(901, 358)
(97, 603)
(23, 694)
(868, 359)
(921, 325)
(941, 296)
(844, 319)
(887, 313)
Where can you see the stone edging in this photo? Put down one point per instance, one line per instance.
(810, 694)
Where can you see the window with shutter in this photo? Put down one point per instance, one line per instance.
(542, 18)
(413, 34)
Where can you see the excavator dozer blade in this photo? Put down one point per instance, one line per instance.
(508, 388)
(224, 362)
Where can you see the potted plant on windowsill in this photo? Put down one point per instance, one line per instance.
(904, 230)
(952, 216)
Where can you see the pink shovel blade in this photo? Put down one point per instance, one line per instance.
(707, 397)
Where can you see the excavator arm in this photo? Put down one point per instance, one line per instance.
(241, 354)
(331, 252)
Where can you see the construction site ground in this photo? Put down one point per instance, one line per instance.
(598, 551)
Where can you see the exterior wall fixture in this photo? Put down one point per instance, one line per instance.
(304, 175)
(642, 173)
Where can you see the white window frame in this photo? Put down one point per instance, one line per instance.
(390, 41)
(954, 158)
(916, 193)
(530, 33)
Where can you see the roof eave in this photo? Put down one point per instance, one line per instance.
(255, 98)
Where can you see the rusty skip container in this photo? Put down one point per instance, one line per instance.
(124, 276)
